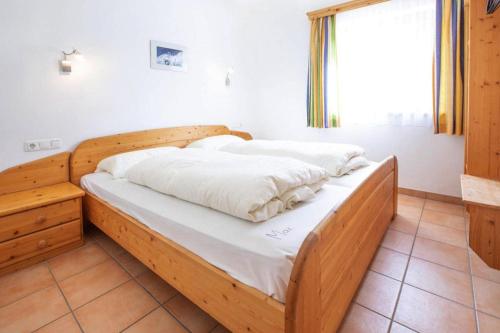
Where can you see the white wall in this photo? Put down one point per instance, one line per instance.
(280, 29)
(113, 90)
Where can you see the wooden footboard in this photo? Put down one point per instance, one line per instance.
(332, 261)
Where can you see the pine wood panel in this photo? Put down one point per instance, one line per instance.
(43, 172)
(87, 155)
(483, 116)
(21, 248)
(484, 234)
(331, 263)
(332, 10)
(23, 223)
(237, 306)
(29, 199)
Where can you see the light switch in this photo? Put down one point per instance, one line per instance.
(55, 143)
(42, 144)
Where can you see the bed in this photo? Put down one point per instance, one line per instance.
(328, 267)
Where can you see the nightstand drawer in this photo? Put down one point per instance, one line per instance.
(40, 242)
(19, 224)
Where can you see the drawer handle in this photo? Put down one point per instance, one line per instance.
(42, 244)
(40, 219)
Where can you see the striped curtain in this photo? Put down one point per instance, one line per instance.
(321, 83)
(449, 67)
(492, 6)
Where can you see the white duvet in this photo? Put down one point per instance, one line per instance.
(254, 188)
(338, 159)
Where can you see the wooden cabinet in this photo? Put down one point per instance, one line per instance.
(482, 130)
(36, 224)
(40, 212)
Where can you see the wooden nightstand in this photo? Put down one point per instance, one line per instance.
(40, 222)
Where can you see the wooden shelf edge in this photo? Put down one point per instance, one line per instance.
(480, 191)
(29, 199)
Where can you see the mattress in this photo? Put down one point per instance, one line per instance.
(260, 255)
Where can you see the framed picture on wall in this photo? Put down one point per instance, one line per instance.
(168, 56)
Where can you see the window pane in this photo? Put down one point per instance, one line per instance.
(385, 63)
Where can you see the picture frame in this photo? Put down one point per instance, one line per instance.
(168, 56)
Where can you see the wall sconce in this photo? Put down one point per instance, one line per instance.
(230, 72)
(67, 57)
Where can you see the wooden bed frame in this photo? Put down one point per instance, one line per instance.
(328, 269)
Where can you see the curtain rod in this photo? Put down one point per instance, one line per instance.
(355, 4)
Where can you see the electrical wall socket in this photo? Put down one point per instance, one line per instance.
(42, 144)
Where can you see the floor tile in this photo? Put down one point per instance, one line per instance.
(444, 219)
(378, 293)
(409, 211)
(131, 264)
(411, 201)
(441, 253)
(77, 261)
(109, 245)
(404, 224)
(444, 207)
(390, 263)
(439, 280)
(442, 234)
(487, 296)
(160, 290)
(113, 312)
(24, 282)
(158, 321)
(33, 311)
(85, 286)
(65, 324)
(481, 269)
(190, 315)
(361, 320)
(397, 328)
(424, 312)
(398, 241)
(488, 324)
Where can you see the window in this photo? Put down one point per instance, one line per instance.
(384, 72)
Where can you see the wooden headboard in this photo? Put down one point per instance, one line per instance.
(43, 172)
(89, 153)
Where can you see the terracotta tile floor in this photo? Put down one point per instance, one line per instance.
(441, 285)
(423, 279)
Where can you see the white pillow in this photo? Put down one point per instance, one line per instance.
(117, 165)
(356, 163)
(215, 142)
